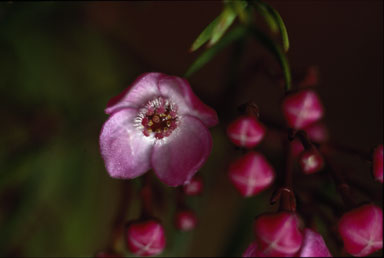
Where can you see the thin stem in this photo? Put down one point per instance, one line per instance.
(146, 197)
(118, 222)
(285, 194)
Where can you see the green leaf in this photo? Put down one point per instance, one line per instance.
(277, 52)
(239, 7)
(205, 35)
(226, 18)
(208, 54)
(274, 20)
(268, 18)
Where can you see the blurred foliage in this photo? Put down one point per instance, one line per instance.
(55, 79)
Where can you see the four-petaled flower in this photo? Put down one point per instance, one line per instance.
(158, 123)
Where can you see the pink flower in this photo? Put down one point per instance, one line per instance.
(158, 123)
(185, 220)
(246, 131)
(313, 245)
(362, 230)
(278, 234)
(311, 161)
(251, 174)
(194, 187)
(302, 109)
(378, 163)
(145, 238)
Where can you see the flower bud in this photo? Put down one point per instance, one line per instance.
(185, 220)
(302, 109)
(311, 161)
(145, 238)
(194, 187)
(278, 234)
(378, 163)
(246, 131)
(251, 174)
(313, 245)
(317, 132)
(362, 230)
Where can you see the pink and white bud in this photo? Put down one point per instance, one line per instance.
(185, 220)
(246, 131)
(251, 174)
(278, 234)
(145, 238)
(313, 245)
(302, 109)
(317, 132)
(194, 187)
(311, 161)
(378, 163)
(362, 230)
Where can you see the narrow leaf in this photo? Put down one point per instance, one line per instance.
(205, 35)
(208, 54)
(277, 52)
(269, 14)
(225, 20)
(268, 18)
(240, 8)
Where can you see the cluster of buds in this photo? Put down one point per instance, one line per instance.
(251, 173)
(283, 234)
(279, 235)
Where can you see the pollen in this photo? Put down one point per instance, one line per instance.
(159, 118)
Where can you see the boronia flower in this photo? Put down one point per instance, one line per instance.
(158, 123)
(361, 230)
(278, 234)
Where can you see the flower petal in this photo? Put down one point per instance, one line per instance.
(124, 148)
(178, 157)
(142, 90)
(313, 245)
(179, 91)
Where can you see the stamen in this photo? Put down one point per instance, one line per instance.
(159, 118)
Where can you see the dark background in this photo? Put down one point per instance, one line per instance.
(61, 62)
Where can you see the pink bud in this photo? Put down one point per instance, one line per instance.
(311, 161)
(194, 187)
(145, 238)
(185, 220)
(378, 163)
(278, 234)
(313, 245)
(246, 131)
(251, 174)
(302, 109)
(362, 230)
(317, 132)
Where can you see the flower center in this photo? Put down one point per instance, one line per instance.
(159, 118)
